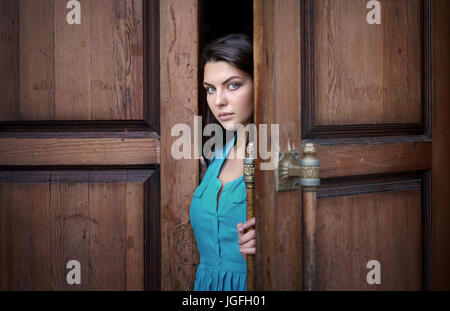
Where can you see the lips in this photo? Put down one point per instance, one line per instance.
(225, 115)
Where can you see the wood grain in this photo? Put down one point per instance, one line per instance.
(9, 60)
(363, 159)
(277, 90)
(309, 250)
(79, 151)
(117, 43)
(441, 146)
(46, 223)
(378, 129)
(73, 61)
(73, 95)
(367, 74)
(351, 230)
(24, 210)
(37, 60)
(90, 71)
(179, 99)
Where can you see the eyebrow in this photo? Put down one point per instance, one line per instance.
(224, 82)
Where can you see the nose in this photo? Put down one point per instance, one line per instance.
(221, 98)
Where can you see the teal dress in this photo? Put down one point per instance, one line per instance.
(222, 267)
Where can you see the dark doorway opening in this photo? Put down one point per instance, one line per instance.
(217, 19)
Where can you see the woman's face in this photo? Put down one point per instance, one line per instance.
(229, 94)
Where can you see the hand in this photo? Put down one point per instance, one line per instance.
(247, 238)
(204, 167)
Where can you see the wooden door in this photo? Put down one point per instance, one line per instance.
(371, 97)
(79, 145)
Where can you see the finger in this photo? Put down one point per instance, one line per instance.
(249, 244)
(240, 228)
(245, 251)
(247, 237)
(249, 223)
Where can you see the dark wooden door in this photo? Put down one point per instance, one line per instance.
(79, 145)
(362, 93)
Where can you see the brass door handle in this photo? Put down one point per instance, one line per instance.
(291, 173)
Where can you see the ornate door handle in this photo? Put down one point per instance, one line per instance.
(292, 172)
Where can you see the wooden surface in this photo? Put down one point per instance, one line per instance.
(9, 59)
(179, 178)
(309, 240)
(48, 218)
(373, 158)
(441, 145)
(367, 74)
(91, 71)
(277, 95)
(351, 230)
(250, 258)
(374, 108)
(79, 151)
(75, 100)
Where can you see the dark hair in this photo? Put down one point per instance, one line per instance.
(236, 49)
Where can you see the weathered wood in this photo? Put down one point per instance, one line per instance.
(79, 151)
(441, 146)
(48, 218)
(352, 230)
(73, 61)
(9, 61)
(277, 95)
(91, 71)
(179, 98)
(117, 43)
(37, 60)
(362, 159)
(249, 179)
(309, 240)
(358, 141)
(367, 74)
(73, 95)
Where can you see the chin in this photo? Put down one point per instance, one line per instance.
(229, 126)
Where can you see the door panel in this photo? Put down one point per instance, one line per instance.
(373, 220)
(367, 74)
(52, 217)
(91, 71)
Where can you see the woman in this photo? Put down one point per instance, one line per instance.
(218, 208)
